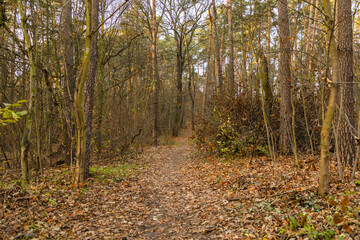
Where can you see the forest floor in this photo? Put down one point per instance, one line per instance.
(176, 192)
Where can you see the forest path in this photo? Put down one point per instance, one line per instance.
(180, 207)
(172, 192)
(166, 196)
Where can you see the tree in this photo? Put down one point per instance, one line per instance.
(284, 77)
(25, 141)
(218, 71)
(80, 124)
(324, 175)
(155, 75)
(69, 83)
(183, 18)
(231, 49)
(208, 69)
(344, 38)
(90, 84)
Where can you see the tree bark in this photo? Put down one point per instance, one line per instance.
(265, 83)
(155, 73)
(79, 173)
(90, 85)
(208, 69)
(218, 72)
(180, 61)
(69, 83)
(324, 174)
(25, 141)
(100, 90)
(284, 78)
(344, 31)
(231, 49)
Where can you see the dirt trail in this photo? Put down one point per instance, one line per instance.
(180, 207)
(172, 194)
(165, 199)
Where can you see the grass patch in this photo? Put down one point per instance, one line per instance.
(116, 173)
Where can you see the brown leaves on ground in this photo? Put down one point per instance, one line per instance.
(173, 193)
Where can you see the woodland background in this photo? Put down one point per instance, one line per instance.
(88, 80)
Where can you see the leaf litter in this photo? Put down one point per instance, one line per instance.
(174, 192)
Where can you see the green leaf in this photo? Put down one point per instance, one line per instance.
(14, 115)
(16, 105)
(7, 114)
(21, 101)
(10, 121)
(22, 113)
(7, 104)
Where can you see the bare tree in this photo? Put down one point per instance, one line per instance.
(155, 75)
(182, 17)
(218, 71)
(25, 141)
(90, 84)
(284, 77)
(231, 49)
(80, 124)
(69, 83)
(324, 175)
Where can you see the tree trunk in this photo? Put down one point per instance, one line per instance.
(218, 72)
(231, 50)
(155, 73)
(100, 90)
(79, 174)
(284, 78)
(208, 69)
(265, 83)
(3, 17)
(345, 53)
(25, 141)
(324, 174)
(179, 96)
(90, 85)
(69, 83)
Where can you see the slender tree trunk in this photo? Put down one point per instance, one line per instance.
(265, 83)
(25, 141)
(3, 17)
(324, 174)
(101, 85)
(80, 124)
(266, 98)
(69, 83)
(347, 148)
(90, 85)
(218, 72)
(284, 78)
(190, 86)
(179, 96)
(4, 72)
(155, 73)
(208, 69)
(231, 49)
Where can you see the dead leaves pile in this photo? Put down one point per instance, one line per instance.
(175, 194)
(276, 201)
